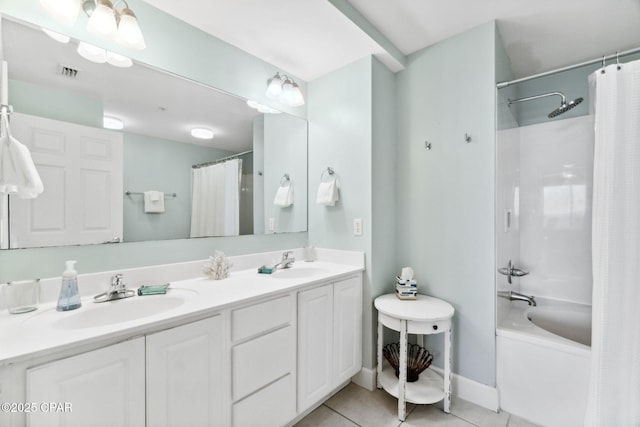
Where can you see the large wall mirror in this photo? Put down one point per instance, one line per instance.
(150, 180)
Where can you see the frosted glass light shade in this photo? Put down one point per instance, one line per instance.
(274, 89)
(118, 60)
(297, 99)
(92, 53)
(286, 96)
(102, 21)
(65, 11)
(129, 33)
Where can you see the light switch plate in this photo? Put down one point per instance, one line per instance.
(357, 226)
(271, 224)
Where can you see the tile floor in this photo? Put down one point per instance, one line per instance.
(355, 406)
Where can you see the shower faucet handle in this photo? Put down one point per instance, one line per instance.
(511, 271)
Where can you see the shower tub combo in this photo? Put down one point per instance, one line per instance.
(543, 361)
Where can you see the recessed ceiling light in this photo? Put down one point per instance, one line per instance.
(62, 38)
(202, 133)
(115, 123)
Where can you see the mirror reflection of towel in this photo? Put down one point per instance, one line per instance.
(284, 196)
(153, 202)
(328, 193)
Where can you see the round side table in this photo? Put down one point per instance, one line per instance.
(423, 316)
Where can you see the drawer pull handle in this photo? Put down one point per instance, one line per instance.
(435, 327)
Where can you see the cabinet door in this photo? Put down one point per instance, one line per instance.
(315, 342)
(185, 375)
(103, 387)
(347, 329)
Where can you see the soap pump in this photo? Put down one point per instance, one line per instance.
(69, 297)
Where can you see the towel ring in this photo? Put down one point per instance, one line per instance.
(329, 171)
(285, 179)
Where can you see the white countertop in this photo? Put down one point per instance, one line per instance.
(40, 332)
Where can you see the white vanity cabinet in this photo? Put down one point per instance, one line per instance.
(263, 363)
(105, 387)
(329, 338)
(186, 381)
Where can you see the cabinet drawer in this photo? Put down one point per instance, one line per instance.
(248, 321)
(271, 406)
(261, 361)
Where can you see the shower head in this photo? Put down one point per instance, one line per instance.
(563, 108)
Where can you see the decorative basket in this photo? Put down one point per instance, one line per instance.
(418, 359)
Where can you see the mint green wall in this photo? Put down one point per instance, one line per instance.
(46, 102)
(446, 195)
(159, 164)
(177, 47)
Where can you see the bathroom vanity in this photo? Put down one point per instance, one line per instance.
(249, 350)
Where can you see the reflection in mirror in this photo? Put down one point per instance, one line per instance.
(150, 180)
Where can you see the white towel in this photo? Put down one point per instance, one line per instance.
(18, 173)
(284, 196)
(153, 202)
(328, 193)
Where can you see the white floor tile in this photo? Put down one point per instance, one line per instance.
(325, 417)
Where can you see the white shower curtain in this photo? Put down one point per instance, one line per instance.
(215, 199)
(614, 394)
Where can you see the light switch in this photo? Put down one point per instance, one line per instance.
(357, 226)
(271, 224)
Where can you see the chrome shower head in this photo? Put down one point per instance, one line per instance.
(565, 107)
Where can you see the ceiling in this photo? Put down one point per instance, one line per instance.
(309, 38)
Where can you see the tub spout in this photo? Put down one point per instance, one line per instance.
(517, 296)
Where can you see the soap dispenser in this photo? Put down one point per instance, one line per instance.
(69, 297)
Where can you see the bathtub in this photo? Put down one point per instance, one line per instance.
(543, 361)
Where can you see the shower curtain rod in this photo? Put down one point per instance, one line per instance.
(569, 67)
(224, 159)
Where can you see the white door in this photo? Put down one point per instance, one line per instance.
(103, 387)
(81, 170)
(347, 328)
(186, 376)
(315, 345)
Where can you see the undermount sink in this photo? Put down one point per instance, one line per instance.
(299, 272)
(118, 311)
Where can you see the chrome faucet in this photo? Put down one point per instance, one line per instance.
(286, 261)
(117, 290)
(511, 271)
(517, 296)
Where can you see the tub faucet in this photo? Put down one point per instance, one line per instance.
(286, 261)
(117, 290)
(517, 296)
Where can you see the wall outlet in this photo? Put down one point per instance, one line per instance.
(271, 224)
(357, 226)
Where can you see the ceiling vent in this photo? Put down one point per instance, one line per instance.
(67, 72)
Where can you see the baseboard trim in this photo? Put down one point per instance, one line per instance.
(462, 387)
(366, 378)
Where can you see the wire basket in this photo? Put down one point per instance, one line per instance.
(418, 359)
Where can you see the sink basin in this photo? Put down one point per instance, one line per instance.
(125, 310)
(296, 272)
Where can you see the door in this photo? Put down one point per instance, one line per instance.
(186, 377)
(81, 170)
(347, 328)
(104, 387)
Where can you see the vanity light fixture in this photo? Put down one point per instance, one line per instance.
(202, 133)
(106, 19)
(109, 122)
(284, 90)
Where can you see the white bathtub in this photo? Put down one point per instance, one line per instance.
(542, 376)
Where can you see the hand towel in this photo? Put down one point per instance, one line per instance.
(153, 202)
(284, 196)
(328, 193)
(18, 173)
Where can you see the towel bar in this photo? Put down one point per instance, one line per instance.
(129, 193)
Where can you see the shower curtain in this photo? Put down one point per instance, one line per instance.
(614, 393)
(215, 199)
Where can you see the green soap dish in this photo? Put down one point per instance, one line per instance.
(153, 289)
(265, 270)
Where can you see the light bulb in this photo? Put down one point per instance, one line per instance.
(129, 33)
(275, 87)
(102, 21)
